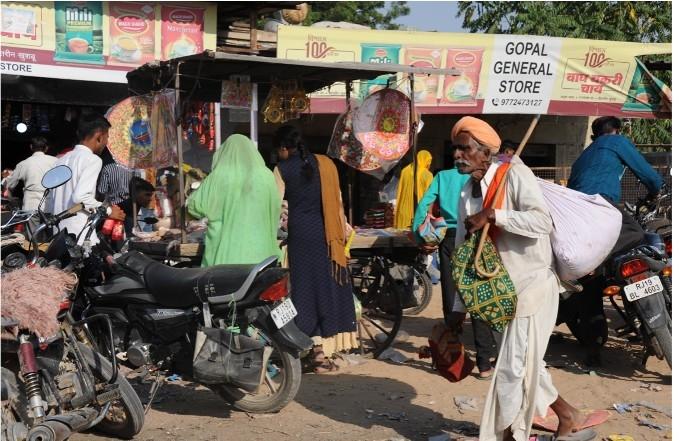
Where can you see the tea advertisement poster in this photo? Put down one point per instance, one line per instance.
(100, 41)
(181, 31)
(132, 33)
(496, 73)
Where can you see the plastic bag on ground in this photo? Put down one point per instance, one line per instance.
(586, 228)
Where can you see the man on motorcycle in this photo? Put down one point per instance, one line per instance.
(85, 164)
(599, 170)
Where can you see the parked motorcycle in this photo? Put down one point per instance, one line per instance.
(54, 387)
(230, 327)
(642, 278)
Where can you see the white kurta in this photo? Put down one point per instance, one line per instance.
(521, 385)
(85, 166)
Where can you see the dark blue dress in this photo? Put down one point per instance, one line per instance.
(325, 308)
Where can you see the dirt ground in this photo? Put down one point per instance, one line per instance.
(382, 401)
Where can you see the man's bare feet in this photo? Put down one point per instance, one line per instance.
(570, 417)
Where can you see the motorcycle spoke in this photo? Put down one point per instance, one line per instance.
(270, 383)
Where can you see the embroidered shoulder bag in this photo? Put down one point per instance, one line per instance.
(492, 299)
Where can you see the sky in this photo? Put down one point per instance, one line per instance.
(433, 16)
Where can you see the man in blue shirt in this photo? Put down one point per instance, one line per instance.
(599, 170)
(445, 189)
(600, 167)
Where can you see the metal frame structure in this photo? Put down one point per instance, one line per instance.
(200, 76)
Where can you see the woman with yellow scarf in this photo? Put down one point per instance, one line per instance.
(404, 215)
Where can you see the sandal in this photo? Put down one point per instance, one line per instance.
(486, 375)
(319, 363)
(582, 435)
(550, 422)
(326, 367)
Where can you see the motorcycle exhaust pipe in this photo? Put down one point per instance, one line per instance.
(61, 427)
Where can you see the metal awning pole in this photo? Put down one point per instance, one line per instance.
(414, 141)
(253, 115)
(352, 174)
(180, 155)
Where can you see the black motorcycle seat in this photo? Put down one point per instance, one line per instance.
(183, 287)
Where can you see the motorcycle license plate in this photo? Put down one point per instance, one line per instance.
(643, 288)
(284, 313)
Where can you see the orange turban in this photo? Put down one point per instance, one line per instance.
(481, 131)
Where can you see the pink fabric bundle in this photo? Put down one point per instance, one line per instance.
(32, 296)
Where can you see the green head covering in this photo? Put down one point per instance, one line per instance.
(242, 203)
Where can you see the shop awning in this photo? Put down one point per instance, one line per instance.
(202, 74)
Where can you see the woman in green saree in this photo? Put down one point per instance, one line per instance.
(242, 203)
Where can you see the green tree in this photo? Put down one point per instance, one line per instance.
(373, 14)
(643, 21)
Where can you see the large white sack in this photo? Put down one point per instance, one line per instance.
(586, 228)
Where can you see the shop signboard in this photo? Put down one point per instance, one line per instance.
(501, 74)
(100, 41)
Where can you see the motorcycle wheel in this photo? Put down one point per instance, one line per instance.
(271, 400)
(664, 338)
(125, 418)
(423, 294)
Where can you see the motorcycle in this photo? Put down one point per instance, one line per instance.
(230, 327)
(642, 278)
(54, 387)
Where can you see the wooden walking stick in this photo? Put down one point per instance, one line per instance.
(485, 232)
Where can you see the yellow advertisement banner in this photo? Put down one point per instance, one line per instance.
(100, 41)
(497, 73)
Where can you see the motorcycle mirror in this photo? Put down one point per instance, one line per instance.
(56, 177)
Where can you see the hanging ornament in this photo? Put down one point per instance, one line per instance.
(286, 101)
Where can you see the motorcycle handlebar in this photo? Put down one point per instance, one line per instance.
(70, 212)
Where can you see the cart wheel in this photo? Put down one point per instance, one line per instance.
(381, 313)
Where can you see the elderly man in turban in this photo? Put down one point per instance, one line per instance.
(521, 385)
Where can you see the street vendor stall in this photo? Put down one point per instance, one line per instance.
(207, 76)
(281, 86)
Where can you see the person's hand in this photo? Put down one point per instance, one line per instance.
(348, 230)
(428, 248)
(477, 221)
(117, 213)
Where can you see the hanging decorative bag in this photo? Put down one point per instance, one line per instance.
(487, 292)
